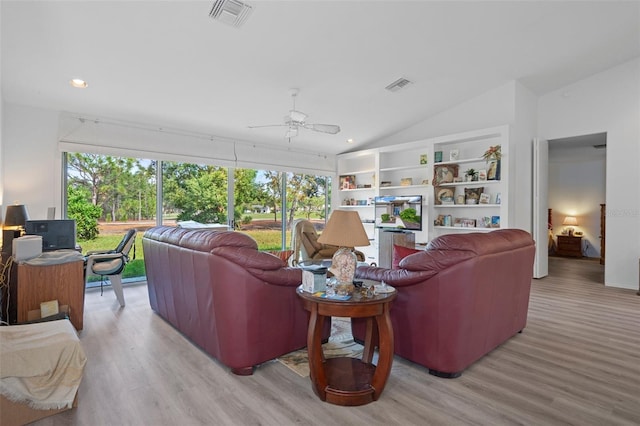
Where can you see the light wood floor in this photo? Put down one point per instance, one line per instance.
(577, 362)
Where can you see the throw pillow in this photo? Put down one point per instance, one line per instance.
(399, 253)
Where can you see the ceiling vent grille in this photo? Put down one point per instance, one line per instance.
(231, 12)
(400, 83)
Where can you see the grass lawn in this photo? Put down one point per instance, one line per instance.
(267, 240)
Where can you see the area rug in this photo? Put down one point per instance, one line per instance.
(340, 344)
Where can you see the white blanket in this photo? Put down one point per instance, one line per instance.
(41, 365)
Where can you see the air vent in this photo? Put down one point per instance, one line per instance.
(400, 83)
(231, 12)
(600, 146)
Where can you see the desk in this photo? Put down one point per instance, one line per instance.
(30, 285)
(343, 380)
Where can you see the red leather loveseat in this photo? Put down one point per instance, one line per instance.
(238, 304)
(458, 299)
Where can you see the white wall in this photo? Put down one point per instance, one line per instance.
(490, 109)
(577, 188)
(607, 102)
(31, 160)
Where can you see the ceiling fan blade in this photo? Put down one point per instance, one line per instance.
(267, 125)
(324, 128)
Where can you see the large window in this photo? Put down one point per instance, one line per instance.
(109, 195)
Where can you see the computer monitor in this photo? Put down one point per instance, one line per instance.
(56, 234)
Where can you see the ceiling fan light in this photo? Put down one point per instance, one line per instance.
(292, 132)
(297, 116)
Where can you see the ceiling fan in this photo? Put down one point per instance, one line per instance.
(296, 120)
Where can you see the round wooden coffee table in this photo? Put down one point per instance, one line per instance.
(343, 380)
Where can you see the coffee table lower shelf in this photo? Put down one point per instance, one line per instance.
(349, 381)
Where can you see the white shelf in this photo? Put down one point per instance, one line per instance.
(394, 169)
(475, 182)
(357, 190)
(465, 161)
(383, 188)
(357, 172)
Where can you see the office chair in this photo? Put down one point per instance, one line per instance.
(111, 263)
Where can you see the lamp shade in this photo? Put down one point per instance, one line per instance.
(16, 215)
(570, 221)
(344, 229)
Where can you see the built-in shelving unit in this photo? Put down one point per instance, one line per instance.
(489, 210)
(408, 169)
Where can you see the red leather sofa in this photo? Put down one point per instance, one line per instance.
(236, 303)
(458, 299)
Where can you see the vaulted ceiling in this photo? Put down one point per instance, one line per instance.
(167, 63)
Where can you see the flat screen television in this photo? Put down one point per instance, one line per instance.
(399, 211)
(56, 234)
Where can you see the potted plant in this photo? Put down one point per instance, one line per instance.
(410, 219)
(471, 175)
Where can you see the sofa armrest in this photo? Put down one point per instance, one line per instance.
(393, 277)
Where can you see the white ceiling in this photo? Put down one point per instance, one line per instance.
(167, 63)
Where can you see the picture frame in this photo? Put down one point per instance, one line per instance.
(485, 222)
(482, 175)
(347, 182)
(493, 172)
(495, 221)
(406, 181)
(444, 173)
(454, 154)
(485, 198)
(464, 222)
(423, 158)
(443, 195)
(498, 198)
(472, 195)
(437, 156)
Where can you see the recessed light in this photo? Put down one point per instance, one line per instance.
(79, 83)
(350, 140)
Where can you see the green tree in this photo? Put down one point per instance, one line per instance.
(84, 212)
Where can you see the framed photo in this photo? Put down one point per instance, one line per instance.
(495, 221)
(444, 173)
(482, 174)
(437, 156)
(472, 195)
(443, 194)
(485, 198)
(493, 173)
(485, 222)
(498, 198)
(453, 154)
(406, 182)
(348, 182)
(464, 223)
(423, 159)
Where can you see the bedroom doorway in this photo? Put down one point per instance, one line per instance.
(577, 197)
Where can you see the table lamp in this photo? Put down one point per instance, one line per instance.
(571, 221)
(15, 219)
(344, 230)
